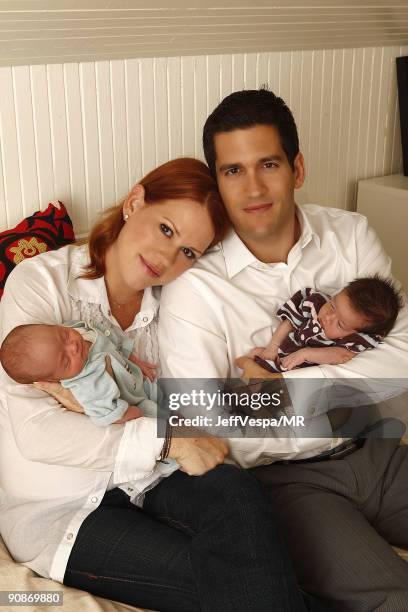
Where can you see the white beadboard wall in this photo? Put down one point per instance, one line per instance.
(46, 31)
(84, 133)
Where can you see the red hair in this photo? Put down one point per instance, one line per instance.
(180, 179)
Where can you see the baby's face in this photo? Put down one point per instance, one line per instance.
(62, 352)
(339, 319)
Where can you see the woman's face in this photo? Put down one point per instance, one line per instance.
(158, 242)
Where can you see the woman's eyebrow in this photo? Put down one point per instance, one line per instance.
(172, 224)
(194, 249)
(178, 234)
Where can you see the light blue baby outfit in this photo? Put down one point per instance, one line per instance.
(106, 399)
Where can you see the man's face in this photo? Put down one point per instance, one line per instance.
(256, 180)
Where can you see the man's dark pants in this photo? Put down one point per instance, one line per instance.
(339, 519)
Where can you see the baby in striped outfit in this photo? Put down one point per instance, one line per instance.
(317, 329)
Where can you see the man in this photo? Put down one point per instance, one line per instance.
(335, 512)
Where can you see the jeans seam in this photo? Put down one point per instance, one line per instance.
(129, 580)
(178, 524)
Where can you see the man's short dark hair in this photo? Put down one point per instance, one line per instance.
(245, 109)
(378, 300)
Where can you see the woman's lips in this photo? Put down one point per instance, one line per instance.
(150, 269)
(258, 208)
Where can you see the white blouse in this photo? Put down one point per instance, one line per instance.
(55, 465)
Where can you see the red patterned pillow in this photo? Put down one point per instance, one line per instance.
(43, 231)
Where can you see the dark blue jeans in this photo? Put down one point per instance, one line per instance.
(201, 543)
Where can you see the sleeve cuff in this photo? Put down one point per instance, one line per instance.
(139, 450)
(308, 389)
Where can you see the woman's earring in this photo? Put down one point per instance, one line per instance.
(125, 217)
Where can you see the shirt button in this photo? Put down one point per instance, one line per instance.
(145, 319)
(94, 500)
(107, 332)
(70, 536)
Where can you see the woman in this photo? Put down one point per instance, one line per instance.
(206, 543)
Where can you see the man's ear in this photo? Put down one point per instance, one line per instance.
(135, 200)
(300, 173)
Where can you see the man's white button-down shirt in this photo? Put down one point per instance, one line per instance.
(226, 305)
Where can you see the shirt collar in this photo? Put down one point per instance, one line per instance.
(307, 232)
(94, 290)
(150, 302)
(237, 256)
(84, 289)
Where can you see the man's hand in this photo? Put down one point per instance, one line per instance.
(253, 370)
(62, 395)
(196, 456)
(148, 369)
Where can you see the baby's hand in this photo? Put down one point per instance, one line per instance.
(294, 359)
(337, 355)
(148, 369)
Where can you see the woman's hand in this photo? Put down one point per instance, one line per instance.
(132, 412)
(62, 395)
(196, 456)
(148, 369)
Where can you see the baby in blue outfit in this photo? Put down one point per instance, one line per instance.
(110, 388)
